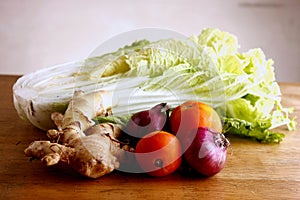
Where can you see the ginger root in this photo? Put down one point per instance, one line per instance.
(92, 150)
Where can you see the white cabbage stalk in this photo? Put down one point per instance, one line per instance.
(38, 94)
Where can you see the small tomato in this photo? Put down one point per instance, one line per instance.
(159, 153)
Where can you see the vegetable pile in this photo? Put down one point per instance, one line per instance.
(102, 102)
(95, 149)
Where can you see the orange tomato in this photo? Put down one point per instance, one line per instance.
(193, 114)
(159, 153)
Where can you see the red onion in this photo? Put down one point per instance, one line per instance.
(205, 151)
(147, 121)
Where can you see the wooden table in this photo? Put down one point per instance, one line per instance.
(253, 170)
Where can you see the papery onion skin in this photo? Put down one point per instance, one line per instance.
(147, 121)
(206, 151)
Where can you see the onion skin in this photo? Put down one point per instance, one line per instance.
(206, 151)
(147, 121)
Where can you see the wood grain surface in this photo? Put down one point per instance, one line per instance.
(253, 170)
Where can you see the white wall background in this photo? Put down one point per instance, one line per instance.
(40, 33)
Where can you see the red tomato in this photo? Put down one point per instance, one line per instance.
(193, 114)
(159, 153)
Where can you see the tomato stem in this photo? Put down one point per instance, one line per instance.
(158, 163)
